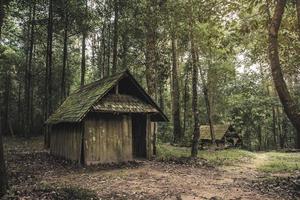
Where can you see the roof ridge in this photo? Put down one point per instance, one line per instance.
(80, 102)
(99, 81)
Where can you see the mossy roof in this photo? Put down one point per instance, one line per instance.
(75, 107)
(79, 103)
(123, 103)
(219, 130)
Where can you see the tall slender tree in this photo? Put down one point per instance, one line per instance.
(28, 71)
(208, 93)
(177, 132)
(151, 26)
(3, 175)
(48, 77)
(196, 131)
(83, 46)
(63, 90)
(290, 107)
(116, 36)
(194, 63)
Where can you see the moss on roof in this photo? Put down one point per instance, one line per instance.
(74, 108)
(219, 130)
(123, 103)
(83, 100)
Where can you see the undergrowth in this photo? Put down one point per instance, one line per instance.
(280, 162)
(220, 157)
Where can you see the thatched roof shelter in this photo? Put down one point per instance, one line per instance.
(224, 134)
(219, 131)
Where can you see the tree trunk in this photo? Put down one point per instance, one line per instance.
(65, 53)
(3, 175)
(207, 105)
(28, 74)
(6, 102)
(283, 137)
(208, 90)
(19, 118)
(151, 61)
(175, 94)
(83, 47)
(290, 107)
(259, 136)
(94, 49)
(125, 48)
(185, 100)
(103, 50)
(274, 122)
(116, 36)
(99, 56)
(48, 81)
(196, 132)
(270, 93)
(108, 49)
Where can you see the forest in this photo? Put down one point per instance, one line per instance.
(203, 63)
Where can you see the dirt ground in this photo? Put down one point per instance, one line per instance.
(30, 167)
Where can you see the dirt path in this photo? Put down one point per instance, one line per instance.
(30, 167)
(248, 169)
(258, 160)
(155, 180)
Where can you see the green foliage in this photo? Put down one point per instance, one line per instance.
(216, 158)
(231, 42)
(78, 104)
(281, 162)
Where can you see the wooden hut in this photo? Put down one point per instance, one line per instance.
(225, 134)
(110, 120)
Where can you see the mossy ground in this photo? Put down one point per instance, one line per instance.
(272, 162)
(277, 162)
(218, 158)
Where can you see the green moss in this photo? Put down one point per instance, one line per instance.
(280, 162)
(165, 151)
(78, 103)
(226, 157)
(222, 157)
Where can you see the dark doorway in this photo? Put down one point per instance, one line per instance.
(139, 136)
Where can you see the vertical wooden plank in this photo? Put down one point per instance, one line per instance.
(130, 137)
(149, 138)
(108, 138)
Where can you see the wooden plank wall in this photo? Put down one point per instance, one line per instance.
(149, 137)
(107, 138)
(66, 141)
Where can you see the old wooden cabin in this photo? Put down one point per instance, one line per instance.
(225, 134)
(110, 120)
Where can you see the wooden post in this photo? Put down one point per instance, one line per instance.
(149, 138)
(117, 89)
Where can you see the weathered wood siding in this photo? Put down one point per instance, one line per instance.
(149, 137)
(66, 141)
(107, 138)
